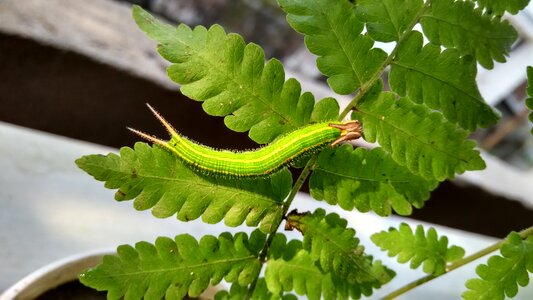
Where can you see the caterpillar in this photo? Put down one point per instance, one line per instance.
(260, 162)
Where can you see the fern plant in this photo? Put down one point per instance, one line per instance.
(421, 124)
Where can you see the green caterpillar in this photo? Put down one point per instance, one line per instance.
(261, 162)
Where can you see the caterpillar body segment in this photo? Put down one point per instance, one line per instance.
(262, 161)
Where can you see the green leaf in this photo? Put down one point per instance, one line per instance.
(418, 247)
(261, 292)
(417, 138)
(296, 270)
(333, 33)
(173, 268)
(231, 78)
(503, 273)
(529, 100)
(498, 7)
(336, 248)
(157, 179)
(457, 24)
(367, 180)
(326, 109)
(387, 20)
(443, 81)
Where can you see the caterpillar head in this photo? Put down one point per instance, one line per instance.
(350, 130)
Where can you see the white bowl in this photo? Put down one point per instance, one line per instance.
(53, 275)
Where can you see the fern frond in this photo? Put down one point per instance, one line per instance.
(443, 81)
(498, 7)
(333, 33)
(173, 268)
(417, 138)
(457, 24)
(503, 273)
(157, 179)
(230, 78)
(387, 20)
(418, 247)
(529, 100)
(261, 292)
(301, 274)
(367, 180)
(336, 248)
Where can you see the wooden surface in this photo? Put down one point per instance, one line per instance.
(100, 29)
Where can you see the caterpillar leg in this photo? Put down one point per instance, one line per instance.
(349, 131)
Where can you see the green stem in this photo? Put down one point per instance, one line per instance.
(523, 234)
(366, 86)
(286, 205)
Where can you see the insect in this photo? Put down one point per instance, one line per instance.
(260, 162)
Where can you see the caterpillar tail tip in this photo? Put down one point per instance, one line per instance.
(147, 136)
(165, 123)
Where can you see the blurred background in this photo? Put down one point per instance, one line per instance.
(82, 70)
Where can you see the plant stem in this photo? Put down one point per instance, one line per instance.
(286, 205)
(377, 75)
(368, 84)
(459, 263)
